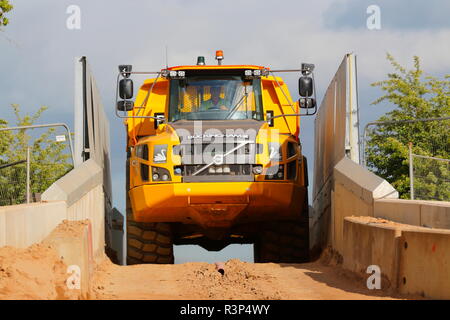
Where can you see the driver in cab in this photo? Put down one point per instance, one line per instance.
(216, 102)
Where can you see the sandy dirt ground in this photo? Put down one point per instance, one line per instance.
(241, 280)
(34, 273)
(322, 279)
(38, 273)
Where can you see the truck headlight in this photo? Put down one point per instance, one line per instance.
(160, 153)
(160, 174)
(275, 173)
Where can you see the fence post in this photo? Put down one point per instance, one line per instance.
(28, 174)
(411, 172)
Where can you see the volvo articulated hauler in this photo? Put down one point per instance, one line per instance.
(214, 158)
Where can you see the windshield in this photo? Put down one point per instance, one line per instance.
(215, 98)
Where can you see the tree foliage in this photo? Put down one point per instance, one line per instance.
(414, 96)
(48, 161)
(5, 7)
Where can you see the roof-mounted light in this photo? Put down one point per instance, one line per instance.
(257, 73)
(219, 57)
(200, 61)
(173, 74)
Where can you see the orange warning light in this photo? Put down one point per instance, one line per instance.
(219, 54)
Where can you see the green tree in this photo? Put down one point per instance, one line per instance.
(414, 96)
(48, 161)
(5, 7)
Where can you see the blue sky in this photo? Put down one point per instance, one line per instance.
(37, 53)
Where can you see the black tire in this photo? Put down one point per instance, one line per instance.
(147, 242)
(284, 241)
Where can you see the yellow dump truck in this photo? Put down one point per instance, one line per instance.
(214, 158)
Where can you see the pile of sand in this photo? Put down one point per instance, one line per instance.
(36, 272)
(240, 280)
(67, 229)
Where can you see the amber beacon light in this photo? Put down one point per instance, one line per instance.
(219, 56)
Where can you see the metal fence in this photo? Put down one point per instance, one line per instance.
(429, 177)
(25, 171)
(13, 178)
(410, 154)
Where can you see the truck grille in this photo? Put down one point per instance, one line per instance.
(222, 173)
(202, 153)
(236, 166)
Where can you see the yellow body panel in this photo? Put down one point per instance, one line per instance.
(217, 204)
(274, 99)
(147, 104)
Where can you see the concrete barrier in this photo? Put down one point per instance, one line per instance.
(355, 190)
(76, 196)
(76, 184)
(407, 239)
(319, 220)
(414, 260)
(425, 263)
(72, 240)
(335, 136)
(370, 242)
(82, 191)
(431, 214)
(25, 224)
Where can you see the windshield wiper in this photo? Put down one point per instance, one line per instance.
(237, 105)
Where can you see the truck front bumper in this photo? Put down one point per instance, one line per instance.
(218, 204)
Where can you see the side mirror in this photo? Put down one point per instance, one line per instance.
(307, 103)
(305, 86)
(125, 105)
(126, 88)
